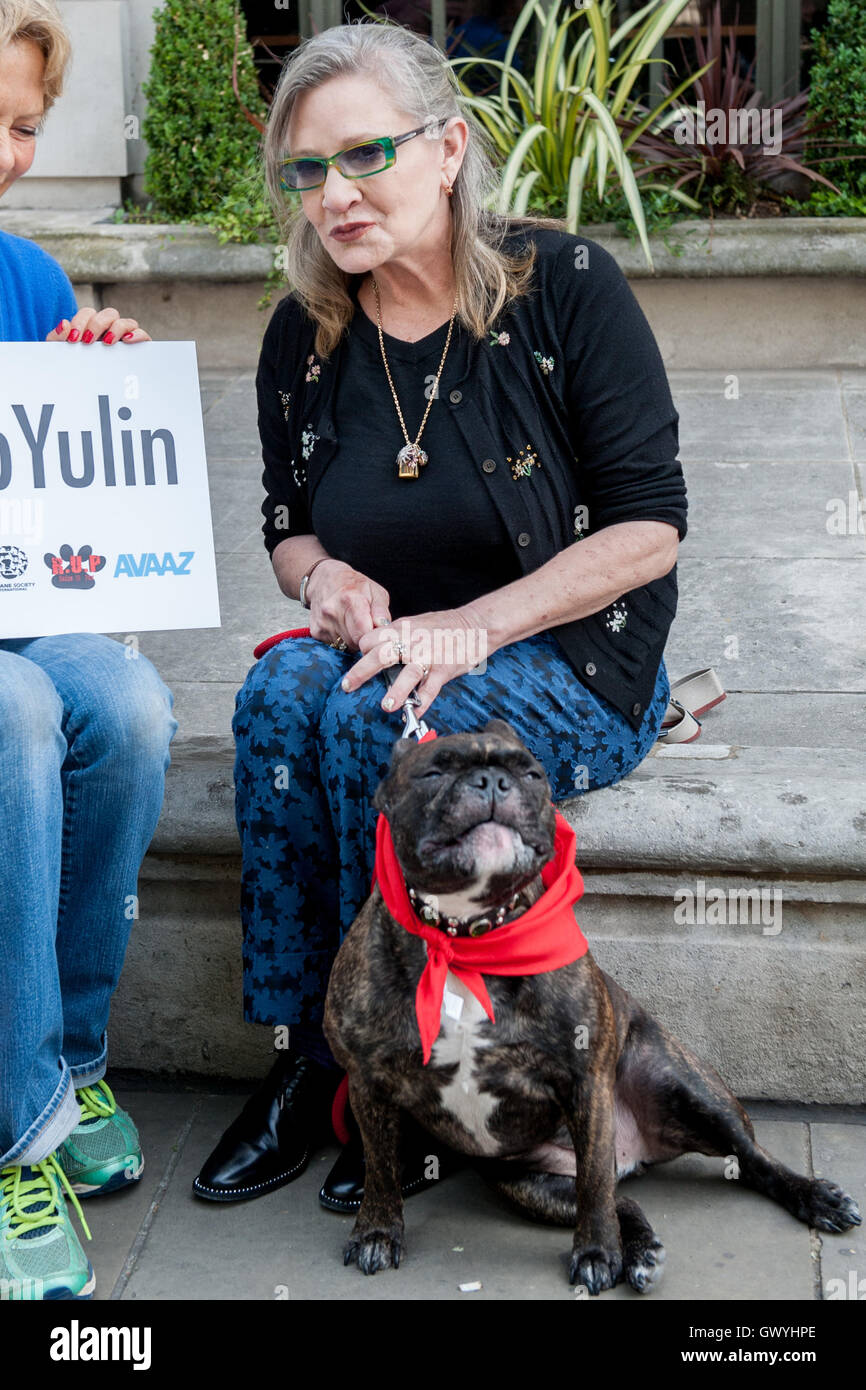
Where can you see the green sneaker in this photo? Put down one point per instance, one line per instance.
(40, 1254)
(102, 1153)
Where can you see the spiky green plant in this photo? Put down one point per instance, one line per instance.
(556, 127)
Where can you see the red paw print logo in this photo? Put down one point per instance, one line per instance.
(71, 571)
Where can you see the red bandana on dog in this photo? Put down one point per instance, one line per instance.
(545, 937)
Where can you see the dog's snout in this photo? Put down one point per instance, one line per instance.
(493, 780)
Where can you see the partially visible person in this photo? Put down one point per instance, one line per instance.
(84, 747)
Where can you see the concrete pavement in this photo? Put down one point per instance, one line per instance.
(158, 1241)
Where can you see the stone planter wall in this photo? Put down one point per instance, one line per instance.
(727, 296)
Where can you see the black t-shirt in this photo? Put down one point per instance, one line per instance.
(395, 529)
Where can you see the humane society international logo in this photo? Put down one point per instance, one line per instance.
(13, 563)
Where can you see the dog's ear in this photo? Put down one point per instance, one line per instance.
(502, 728)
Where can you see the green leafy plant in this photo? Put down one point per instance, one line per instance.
(203, 111)
(663, 215)
(720, 160)
(557, 127)
(837, 98)
(822, 203)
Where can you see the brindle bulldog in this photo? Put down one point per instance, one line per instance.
(554, 1124)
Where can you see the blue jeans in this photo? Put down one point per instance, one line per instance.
(84, 747)
(310, 755)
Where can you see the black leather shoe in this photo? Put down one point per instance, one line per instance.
(270, 1142)
(424, 1161)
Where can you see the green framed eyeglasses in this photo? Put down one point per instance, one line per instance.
(358, 162)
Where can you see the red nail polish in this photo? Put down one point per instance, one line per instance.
(59, 328)
(73, 336)
(87, 336)
(108, 338)
(126, 337)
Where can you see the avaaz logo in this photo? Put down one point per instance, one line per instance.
(148, 562)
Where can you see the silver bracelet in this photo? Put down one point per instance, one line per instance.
(302, 590)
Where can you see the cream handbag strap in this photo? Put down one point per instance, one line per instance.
(690, 696)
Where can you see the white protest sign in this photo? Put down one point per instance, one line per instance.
(105, 522)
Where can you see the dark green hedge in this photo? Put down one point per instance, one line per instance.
(838, 95)
(201, 147)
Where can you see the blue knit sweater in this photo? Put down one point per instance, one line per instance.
(35, 293)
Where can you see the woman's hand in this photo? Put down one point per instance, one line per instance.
(345, 603)
(450, 643)
(95, 325)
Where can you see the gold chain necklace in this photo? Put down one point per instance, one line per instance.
(411, 456)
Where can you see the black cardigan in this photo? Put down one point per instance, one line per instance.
(564, 416)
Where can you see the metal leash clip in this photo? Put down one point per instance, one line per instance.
(413, 725)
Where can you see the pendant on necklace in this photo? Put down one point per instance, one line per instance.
(409, 459)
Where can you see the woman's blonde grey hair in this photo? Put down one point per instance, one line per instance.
(420, 81)
(40, 21)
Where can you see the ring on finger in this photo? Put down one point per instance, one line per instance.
(425, 671)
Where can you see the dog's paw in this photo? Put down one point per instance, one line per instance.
(374, 1250)
(643, 1264)
(595, 1268)
(828, 1208)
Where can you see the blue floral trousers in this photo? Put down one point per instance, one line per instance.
(310, 755)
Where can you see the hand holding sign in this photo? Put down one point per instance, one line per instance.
(95, 325)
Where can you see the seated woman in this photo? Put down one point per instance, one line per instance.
(471, 470)
(84, 746)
